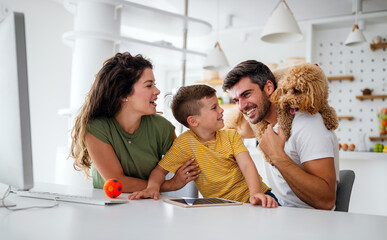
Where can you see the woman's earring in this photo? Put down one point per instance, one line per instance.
(126, 99)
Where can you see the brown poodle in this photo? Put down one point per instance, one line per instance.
(304, 88)
(301, 87)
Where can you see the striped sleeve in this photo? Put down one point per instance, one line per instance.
(237, 143)
(174, 158)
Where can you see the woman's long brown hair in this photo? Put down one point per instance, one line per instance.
(113, 82)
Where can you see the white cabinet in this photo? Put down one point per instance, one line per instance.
(370, 181)
(136, 17)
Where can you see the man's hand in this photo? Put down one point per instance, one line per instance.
(185, 174)
(272, 144)
(264, 200)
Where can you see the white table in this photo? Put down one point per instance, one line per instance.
(150, 219)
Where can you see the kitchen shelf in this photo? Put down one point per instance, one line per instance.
(378, 138)
(342, 77)
(350, 118)
(213, 82)
(157, 20)
(364, 97)
(161, 53)
(375, 46)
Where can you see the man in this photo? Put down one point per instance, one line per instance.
(305, 167)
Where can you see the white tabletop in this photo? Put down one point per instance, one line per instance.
(151, 219)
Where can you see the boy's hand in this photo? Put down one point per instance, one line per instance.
(185, 174)
(146, 193)
(264, 200)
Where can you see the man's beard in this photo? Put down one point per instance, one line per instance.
(262, 110)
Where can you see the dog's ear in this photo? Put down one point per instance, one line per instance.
(280, 75)
(312, 82)
(310, 101)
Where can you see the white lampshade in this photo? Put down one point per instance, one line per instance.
(216, 59)
(355, 37)
(281, 26)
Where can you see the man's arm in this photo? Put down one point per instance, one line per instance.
(314, 183)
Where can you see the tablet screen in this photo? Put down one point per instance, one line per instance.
(198, 202)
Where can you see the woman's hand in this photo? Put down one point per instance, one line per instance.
(185, 174)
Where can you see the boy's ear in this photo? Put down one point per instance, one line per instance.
(192, 121)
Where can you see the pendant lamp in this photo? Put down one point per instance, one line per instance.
(355, 37)
(216, 59)
(281, 26)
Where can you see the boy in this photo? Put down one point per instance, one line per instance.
(226, 168)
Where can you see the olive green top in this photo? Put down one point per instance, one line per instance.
(139, 152)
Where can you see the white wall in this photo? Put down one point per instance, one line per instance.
(369, 71)
(240, 44)
(49, 70)
(253, 47)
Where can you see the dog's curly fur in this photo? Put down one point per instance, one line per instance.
(303, 88)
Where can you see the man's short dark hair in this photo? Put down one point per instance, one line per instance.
(258, 72)
(187, 103)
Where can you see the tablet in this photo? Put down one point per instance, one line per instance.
(201, 202)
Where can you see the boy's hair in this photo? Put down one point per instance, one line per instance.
(187, 103)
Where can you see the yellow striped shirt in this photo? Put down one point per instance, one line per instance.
(220, 174)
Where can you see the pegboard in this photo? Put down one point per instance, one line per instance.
(369, 71)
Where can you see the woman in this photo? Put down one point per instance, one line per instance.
(117, 133)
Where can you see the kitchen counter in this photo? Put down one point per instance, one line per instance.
(362, 155)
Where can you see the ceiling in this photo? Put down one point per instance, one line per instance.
(254, 13)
